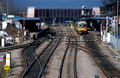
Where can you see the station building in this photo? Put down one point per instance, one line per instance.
(58, 15)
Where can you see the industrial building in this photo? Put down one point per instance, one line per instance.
(58, 15)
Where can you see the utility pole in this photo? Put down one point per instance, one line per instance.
(23, 19)
(7, 8)
(117, 23)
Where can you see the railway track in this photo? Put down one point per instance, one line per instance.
(36, 67)
(40, 34)
(109, 70)
(14, 47)
(28, 55)
(75, 55)
(45, 56)
(69, 52)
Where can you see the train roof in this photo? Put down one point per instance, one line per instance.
(81, 22)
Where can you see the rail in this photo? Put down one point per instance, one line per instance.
(71, 35)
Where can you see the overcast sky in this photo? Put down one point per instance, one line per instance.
(60, 3)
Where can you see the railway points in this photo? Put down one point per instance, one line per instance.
(73, 59)
(60, 42)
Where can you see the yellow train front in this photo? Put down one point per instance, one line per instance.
(82, 27)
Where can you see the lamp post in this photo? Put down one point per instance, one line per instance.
(23, 21)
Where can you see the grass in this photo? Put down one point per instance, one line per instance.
(13, 63)
(118, 59)
(111, 52)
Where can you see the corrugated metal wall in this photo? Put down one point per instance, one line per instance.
(114, 42)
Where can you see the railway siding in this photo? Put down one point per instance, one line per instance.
(52, 68)
(100, 58)
(106, 50)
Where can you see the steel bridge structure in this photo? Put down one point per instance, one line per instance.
(62, 15)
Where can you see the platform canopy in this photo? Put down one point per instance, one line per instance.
(93, 17)
(21, 18)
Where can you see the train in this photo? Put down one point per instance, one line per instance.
(81, 27)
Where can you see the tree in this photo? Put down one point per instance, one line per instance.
(107, 2)
(10, 7)
(0, 7)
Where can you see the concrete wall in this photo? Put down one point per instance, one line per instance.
(114, 42)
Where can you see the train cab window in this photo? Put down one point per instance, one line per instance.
(82, 25)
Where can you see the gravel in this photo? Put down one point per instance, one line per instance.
(86, 67)
(106, 50)
(17, 63)
(53, 65)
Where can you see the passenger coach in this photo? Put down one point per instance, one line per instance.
(81, 27)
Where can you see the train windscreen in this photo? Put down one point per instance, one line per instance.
(82, 25)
